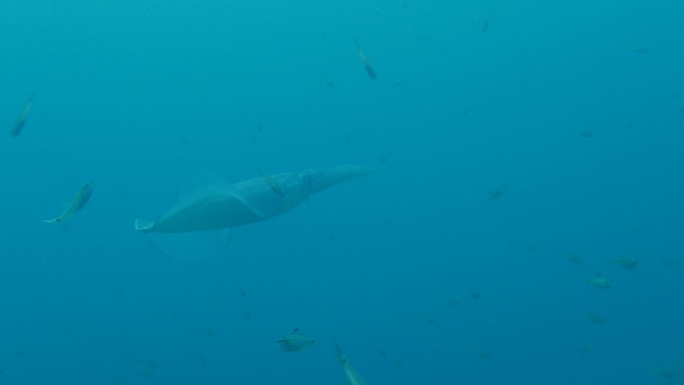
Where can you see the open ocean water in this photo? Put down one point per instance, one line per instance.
(526, 224)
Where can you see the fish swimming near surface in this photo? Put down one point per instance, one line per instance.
(353, 377)
(219, 205)
(21, 119)
(79, 201)
(294, 342)
(366, 62)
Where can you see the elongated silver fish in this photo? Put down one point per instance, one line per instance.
(79, 201)
(353, 377)
(21, 119)
(366, 62)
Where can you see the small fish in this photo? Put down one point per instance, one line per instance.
(467, 110)
(276, 187)
(665, 373)
(485, 25)
(480, 352)
(294, 342)
(600, 282)
(21, 120)
(497, 193)
(595, 318)
(585, 348)
(79, 201)
(574, 258)
(366, 62)
(353, 377)
(668, 262)
(454, 301)
(639, 48)
(679, 103)
(328, 82)
(625, 263)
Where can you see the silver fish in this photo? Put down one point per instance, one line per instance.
(366, 62)
(21, 119)
(79, 201)
(353, 377)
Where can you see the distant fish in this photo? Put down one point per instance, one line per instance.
(454, 301)
(480, 352)
(679, 103)
(595, 318)
(21, 119)
(600, 282)
(497, 193)
(79, 201)
(485, 25)
(639, 48)
(625, 263)
(666, 373)
(294, 342)
(574, 258)
(585, 348)
(366, 62)
(328, 82)
(467, 110)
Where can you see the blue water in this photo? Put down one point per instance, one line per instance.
(418, 272)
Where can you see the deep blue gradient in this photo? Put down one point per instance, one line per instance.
(567, 108)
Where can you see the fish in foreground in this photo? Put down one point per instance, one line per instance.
(353, 377)
(221, 206)
(366, 63)
(600, 282)
(21, 119)
(79, 201)
(294, 342)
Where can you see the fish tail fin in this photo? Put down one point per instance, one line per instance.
(143, 225)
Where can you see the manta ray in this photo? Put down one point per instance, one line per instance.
(220, 205)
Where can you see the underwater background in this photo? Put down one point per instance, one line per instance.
(528, 150)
